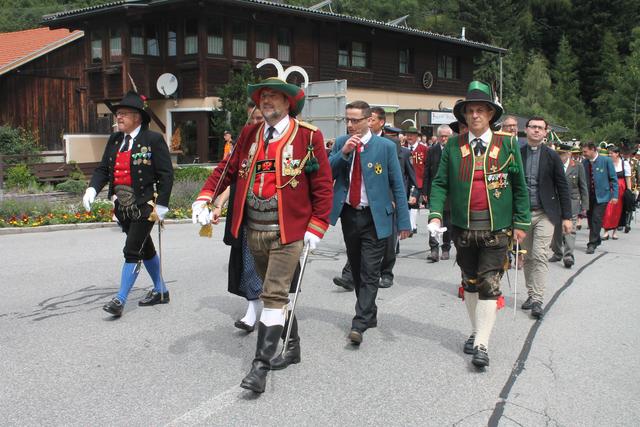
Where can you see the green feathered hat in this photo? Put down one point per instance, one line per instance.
(294, 94)
(478, 92)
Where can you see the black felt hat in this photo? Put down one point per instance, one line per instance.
(134, 101)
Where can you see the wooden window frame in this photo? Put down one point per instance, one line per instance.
(443, 69)
(350, 55)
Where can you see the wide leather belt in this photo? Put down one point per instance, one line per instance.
(262, 214)
(479, 220)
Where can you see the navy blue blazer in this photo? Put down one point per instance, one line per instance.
(382, 180)
(604, 178)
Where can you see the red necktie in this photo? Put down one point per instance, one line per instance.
(356, 179)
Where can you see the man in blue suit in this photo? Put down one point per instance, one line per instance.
(603, 187)
(368, 189)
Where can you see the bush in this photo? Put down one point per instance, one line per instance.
(75, 174)
(17, 141)
(74, 186)
(19, 177)
(192, 173)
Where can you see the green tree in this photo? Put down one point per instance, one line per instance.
(612, 132)
(568, 107)
(233, 100)
(610, 70)
(621, 98)
(535, 96)
(22, 14)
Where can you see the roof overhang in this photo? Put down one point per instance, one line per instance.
(40, 52)
(64, 18)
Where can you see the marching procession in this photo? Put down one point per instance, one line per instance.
(494, 203)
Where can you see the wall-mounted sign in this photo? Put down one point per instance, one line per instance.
(441, 117)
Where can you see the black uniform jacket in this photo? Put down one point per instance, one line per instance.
(157, 170)
(553, 188)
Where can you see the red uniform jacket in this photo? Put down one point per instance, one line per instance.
(419, 159)
(304, 199)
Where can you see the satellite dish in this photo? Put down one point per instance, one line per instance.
(167, 84)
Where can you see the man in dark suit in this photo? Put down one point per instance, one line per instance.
(137, 166)
(430, 172)
(603, 187)
(563, 245)
(368, 190)
(377, 127)
(550, 202)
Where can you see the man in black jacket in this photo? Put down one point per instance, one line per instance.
(430, 172)
(377, 126)
(550, 202)
(137, 166)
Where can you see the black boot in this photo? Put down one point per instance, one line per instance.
(291, 354)
(268, 338)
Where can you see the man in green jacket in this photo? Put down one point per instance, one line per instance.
(481, 174)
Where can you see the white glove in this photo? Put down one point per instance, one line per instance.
(161, 211)
(88, 198)
(435, 229)
(201, 213)
(311, 239)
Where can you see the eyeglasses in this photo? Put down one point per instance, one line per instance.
(535, 127)
(354, 121)
(509, 126)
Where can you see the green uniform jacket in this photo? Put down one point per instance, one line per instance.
(503, 175)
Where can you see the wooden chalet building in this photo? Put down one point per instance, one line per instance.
(41, 83)
(203, 42)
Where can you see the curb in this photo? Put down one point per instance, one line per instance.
(85, 226)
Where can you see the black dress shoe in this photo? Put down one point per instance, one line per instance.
(555, 258)
(385, 282)
(527, 304)
(468, 345)
(154, 297)
(481, 357)
(627, 228)
(590, 249)
(568, 262)
(244, 326)
(434, 256)
(536, 310)
(114, 307)
(355, 336)
(346, 284)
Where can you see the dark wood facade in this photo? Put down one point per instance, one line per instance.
(315, 45)
(48, 95)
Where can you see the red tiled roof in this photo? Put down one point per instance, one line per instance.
(20, 47)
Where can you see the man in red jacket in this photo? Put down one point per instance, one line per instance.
(283, 199)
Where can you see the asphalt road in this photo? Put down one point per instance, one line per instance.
(63, 361)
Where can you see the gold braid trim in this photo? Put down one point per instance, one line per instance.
(303, 162)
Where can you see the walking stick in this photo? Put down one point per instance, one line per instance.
(515, 281)
(305, 255)
(160, 227)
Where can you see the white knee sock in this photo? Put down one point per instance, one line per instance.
(471, 301)
(486, 317)
(272, 316)
(413, 216)
(252, 312)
